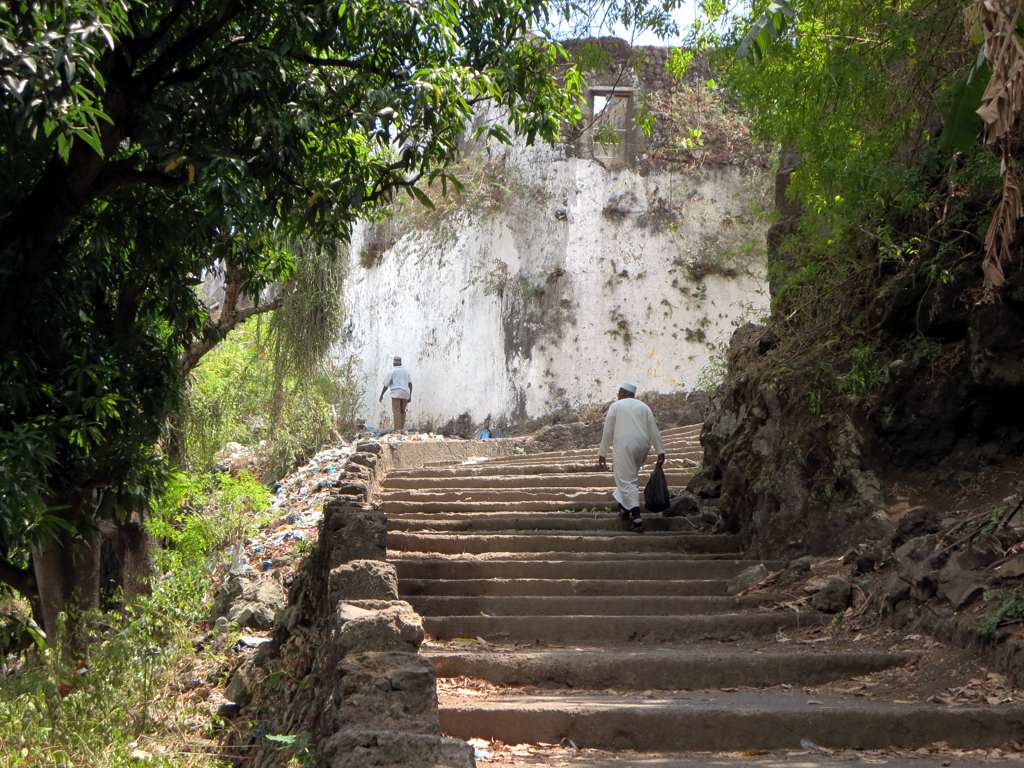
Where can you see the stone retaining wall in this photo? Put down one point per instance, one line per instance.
(342, 682)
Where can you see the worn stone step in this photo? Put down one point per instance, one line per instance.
(578, 480)
(625, 568)
(797, 758)
(527, 521)
(718, 721)
(612, 605)
(566, 541)
(587, 496)
(613, 629)
(563, 587)
(685, 668)
(526, 468)
(672, 447)
(673, 451)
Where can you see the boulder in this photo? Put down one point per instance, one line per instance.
(363, 580)
(249, 602)
(748, 578)
(683, 505)
(894, 591)
(959, 583)
(800, 566)
(834, 597)
(368, 446)
(917, 522)
(864, 558)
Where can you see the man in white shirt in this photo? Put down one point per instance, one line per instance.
(630, 429)
(400, 383)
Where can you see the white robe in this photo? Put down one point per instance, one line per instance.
(631, 430)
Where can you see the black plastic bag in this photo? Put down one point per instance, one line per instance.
(656, 497)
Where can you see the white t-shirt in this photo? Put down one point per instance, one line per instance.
(400, 383)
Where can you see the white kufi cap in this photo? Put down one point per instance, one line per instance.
(629, 387)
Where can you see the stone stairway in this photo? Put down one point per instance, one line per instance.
(581, 633)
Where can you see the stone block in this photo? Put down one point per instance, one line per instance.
(363, 580)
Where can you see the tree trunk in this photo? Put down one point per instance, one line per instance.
(136, 555)
(67, 569)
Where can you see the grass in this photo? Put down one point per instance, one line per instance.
(139, 691)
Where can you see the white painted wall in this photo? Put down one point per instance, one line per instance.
(433, 297)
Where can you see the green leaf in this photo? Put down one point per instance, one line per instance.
(961, 124)
(92, 139)
(422, 197)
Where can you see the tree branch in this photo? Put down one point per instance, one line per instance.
(321, 61)
(123, 173)
(195, 353)
(146, 43)
(185, 45)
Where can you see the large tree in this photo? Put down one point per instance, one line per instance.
(143, 143)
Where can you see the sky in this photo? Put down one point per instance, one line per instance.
(684, 16)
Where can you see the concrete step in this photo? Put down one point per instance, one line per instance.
(526, 468)
(590, 496)
(626, 568)
(685, 668)
(564, 587)
(566, 541)
(717, 721)
(536, 521)
(798, 758)
(613, 629)
(675, 448)
(600, 479)
(612, 605)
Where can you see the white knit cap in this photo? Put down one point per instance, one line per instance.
(628, 386)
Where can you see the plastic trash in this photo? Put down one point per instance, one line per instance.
(656, 497)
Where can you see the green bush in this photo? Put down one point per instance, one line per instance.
(114, 697)
(237, 392)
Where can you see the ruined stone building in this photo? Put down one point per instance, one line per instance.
(631, 250)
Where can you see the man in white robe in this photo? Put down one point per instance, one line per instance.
(630, 429)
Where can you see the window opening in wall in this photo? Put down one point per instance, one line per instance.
(611, 110)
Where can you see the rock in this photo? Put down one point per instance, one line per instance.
(363, 580)
(368, 460)
(350, 531)
(706, 484)
(368, 446)
(370, 689)
(748, 578)
(248, 602)
(238, 689)
(894, 592)
(864, 558)
(353, 748)
(353, 488)
(396, 628)
(1012, 570)
(959, 584)
(917, 522)
(801, 566)
(683, 505)
(834, 597)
